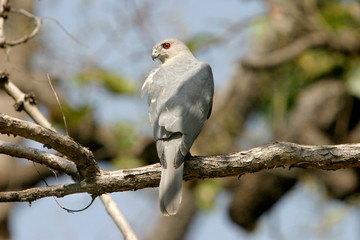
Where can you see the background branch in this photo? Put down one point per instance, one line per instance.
(114, 211)
(347, 43)
(286, 53)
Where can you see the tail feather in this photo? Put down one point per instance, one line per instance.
(171, 176)
(170, 189)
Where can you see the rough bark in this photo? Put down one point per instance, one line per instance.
(82, 157)
(279, 154)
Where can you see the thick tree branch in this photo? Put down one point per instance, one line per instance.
(81, 156)
(279, 154)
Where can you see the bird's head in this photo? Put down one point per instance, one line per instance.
(168, 48)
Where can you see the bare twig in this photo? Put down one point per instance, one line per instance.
(50, 160)
(279, 154)
(114, 211)
(23, 101)
(81, 156)
(24, 39)
(58, 101)
(66, 32)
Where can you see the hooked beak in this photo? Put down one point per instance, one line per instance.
(155, 54)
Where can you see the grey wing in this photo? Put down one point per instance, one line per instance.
(153, 86)
(148, 81)
(186, 108)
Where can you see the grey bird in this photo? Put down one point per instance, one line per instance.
(180, 93)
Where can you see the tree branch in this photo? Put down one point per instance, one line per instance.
(114, 211)
(87, 167)
(41, 157)
(23, 101)
(279, 154)
(81, 156)
(24, 39)
(4, 8)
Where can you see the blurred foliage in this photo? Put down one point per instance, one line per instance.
(317, 63)
(206, 192)
(353, 79)
(125, 162)
(313, 64)
(199, 40)
(74, 116)
(113, 82)
(337, 15)
(124, 137)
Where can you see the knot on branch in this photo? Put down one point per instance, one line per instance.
(5, 11)
(4, 77)
(19, 106)
(29, 97)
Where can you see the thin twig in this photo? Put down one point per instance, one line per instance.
(23, 101)
(65, 31)
(25, 38)
(60, 106)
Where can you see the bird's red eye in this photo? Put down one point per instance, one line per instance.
(166, 45)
